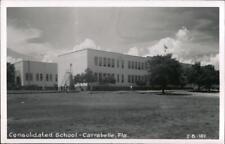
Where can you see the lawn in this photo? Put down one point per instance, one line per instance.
(147, 115)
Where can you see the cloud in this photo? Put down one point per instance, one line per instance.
(172, 45)
(184, 47)
(134, 51)
(18, 41)
(212, 59)
(20, 36)
(183, 34)
(159, 47)
(87, 43)
(12, 59)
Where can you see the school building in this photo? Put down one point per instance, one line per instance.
(125, 69)
(40, 74)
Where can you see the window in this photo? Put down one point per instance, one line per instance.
(118, 78)
(143, 78)
(37, 77)
(129, 64)
(135, 65)
(139, 65)
(109, 62)
(41, 77)
(96, 76)
(142, 65)
(118, 63)
(96, 60)
(113, 62)
(129, 78)
(135, 78)
(100, 77)
(122, 80)
(146, 65)
(132, 78)
(46, 77)
(104, 61)
(27, 76)
(122, 63)
(146, 78)
(100, 61)
(50, 77)
(132, 66)
(56, 77)
(139, 78)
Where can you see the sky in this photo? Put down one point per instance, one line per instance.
(190, 34)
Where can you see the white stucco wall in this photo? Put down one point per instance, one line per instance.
(35, 68)
(82, 59)
(19, 71)
(116, 70)
(77, 60)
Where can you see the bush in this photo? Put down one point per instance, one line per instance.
(110, 88)
(31, 87)
(36, 87)
(141, 83)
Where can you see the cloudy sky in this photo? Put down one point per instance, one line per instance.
(190, 34)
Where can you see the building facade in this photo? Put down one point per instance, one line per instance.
(125, 69)
(36, 73)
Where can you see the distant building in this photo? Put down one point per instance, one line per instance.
(36, 73)
(125, 69)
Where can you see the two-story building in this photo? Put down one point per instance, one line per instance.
(125, 69)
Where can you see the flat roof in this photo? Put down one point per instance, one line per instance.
(34, 61)
(99, 51)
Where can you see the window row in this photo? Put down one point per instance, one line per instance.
(135, 78)
(119, 78)
(111, 78)
(111, 62)
(41, 77)
(108, 62)
(137, 65)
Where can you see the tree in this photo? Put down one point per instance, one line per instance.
(18, 82)
(86, 77)
(71, 82)
(209, 76)
(109, 80)
(164, 70)
(89, 76)
(10, 76)
(203, 76)
(140, 83)
(195, 75)
(79, 78)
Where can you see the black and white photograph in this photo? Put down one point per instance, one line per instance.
(113, 72)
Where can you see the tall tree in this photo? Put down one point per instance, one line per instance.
(164, 70)
(203, 76)
(195, 75)
(209, 76)
(109, 80)
(18, 82)
(10, 76)
(89, 77)
(79, 78)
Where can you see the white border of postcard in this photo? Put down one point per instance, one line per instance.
(96, 3)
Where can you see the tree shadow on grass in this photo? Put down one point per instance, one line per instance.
(174, 94)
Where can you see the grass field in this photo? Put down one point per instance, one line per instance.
(138, 114)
